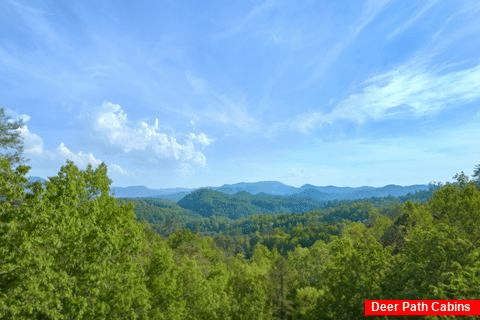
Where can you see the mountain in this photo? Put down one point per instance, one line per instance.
(144, 192)
(208, 202)
(349, 193)
(273, 188)
(333, 189)
(318, 192)
(389, 190)
(315, 194)
(173, 196)
(269, 187)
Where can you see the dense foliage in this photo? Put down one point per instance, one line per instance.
(207, 202)
(68, 250)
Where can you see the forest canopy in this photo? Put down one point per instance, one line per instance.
(69, 250)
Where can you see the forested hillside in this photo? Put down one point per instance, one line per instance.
(208, 202)
(69, 250)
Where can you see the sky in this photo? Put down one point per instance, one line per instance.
(204, 93)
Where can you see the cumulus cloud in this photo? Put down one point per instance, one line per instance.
(201, 138)
(116, 168)
(33, 143)
(79, 158)
(34, 148)
(82, 159)
(113, 124)
(410, 90)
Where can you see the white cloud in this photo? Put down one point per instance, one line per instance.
(79, 158)
(33, 143)
(410, 90)
(112, 122)
(116, 168)
(33, 146)
(200, 138)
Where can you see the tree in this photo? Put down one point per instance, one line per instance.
(476, 176)
(279, 285)
(247, 285)
(70, 251)
(162, 280)
(353, 273)
(439, 259)
(462, 179)
(11, 142)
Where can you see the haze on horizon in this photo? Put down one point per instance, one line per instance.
(191, 94)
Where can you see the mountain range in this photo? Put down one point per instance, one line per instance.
(274, 188)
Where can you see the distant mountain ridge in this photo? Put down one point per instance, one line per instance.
(319, 193)
(348, 193)
(275, 188)
(144, 192)
(269, 187)
(207, 202)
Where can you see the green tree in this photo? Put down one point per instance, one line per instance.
(248, 283)
(162, 273)
(11, 142)
(353, 273)
(462, 179)
(70, 251)
(279, 288)
(439, 259)
(476, 176)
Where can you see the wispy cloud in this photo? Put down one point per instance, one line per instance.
(409, 90)
(370, 11)
(241, 24)
(218, 107)
(427, 5)
(35, 20)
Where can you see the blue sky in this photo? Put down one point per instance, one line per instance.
(202, 93)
